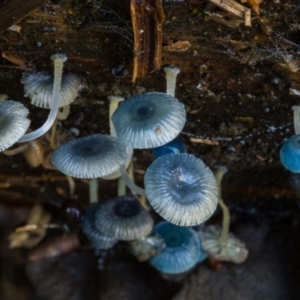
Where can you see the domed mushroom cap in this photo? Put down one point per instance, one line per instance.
(13, 122)
(39, 87)
(182, 189)
(149, 120)
(99, 239)
(290, 154)
(181, 252)
(124, 218)
(89, 157)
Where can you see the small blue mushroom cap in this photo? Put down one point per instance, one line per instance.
(149, 120)
(175, 146)
(290, 154)
(90, 157)
(124, 218)
(181, 252)
(99, 239)
(182, 189)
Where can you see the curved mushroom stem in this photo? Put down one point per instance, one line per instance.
(226, 213)
(58, 60)
(296, 109)
(171, 73)
(130, 183)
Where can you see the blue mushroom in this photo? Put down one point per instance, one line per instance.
(182, 251)
(290, 154)
(175, 146)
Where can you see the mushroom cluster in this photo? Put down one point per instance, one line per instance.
(179, 186)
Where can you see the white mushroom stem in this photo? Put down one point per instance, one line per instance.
(62, 114)
(226, 213)
(296, 109)
(94, 190)
(113, 105)
(71, 183)
(171, 73)
(130, 183)
(121, 187)
(58, 60)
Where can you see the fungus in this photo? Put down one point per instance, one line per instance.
(175, 146)
(58, 60)
(100, 240)
(149, 120)
(218, 242)
(39, 87)
(231, 250)
(181, 252)
(146, 247)
(182, 189)
(13, 122)
(89, 157)
(171, 73)
(124, 218)
(290, 154)
(290, 151)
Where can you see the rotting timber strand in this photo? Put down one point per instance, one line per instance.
(147, 18)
